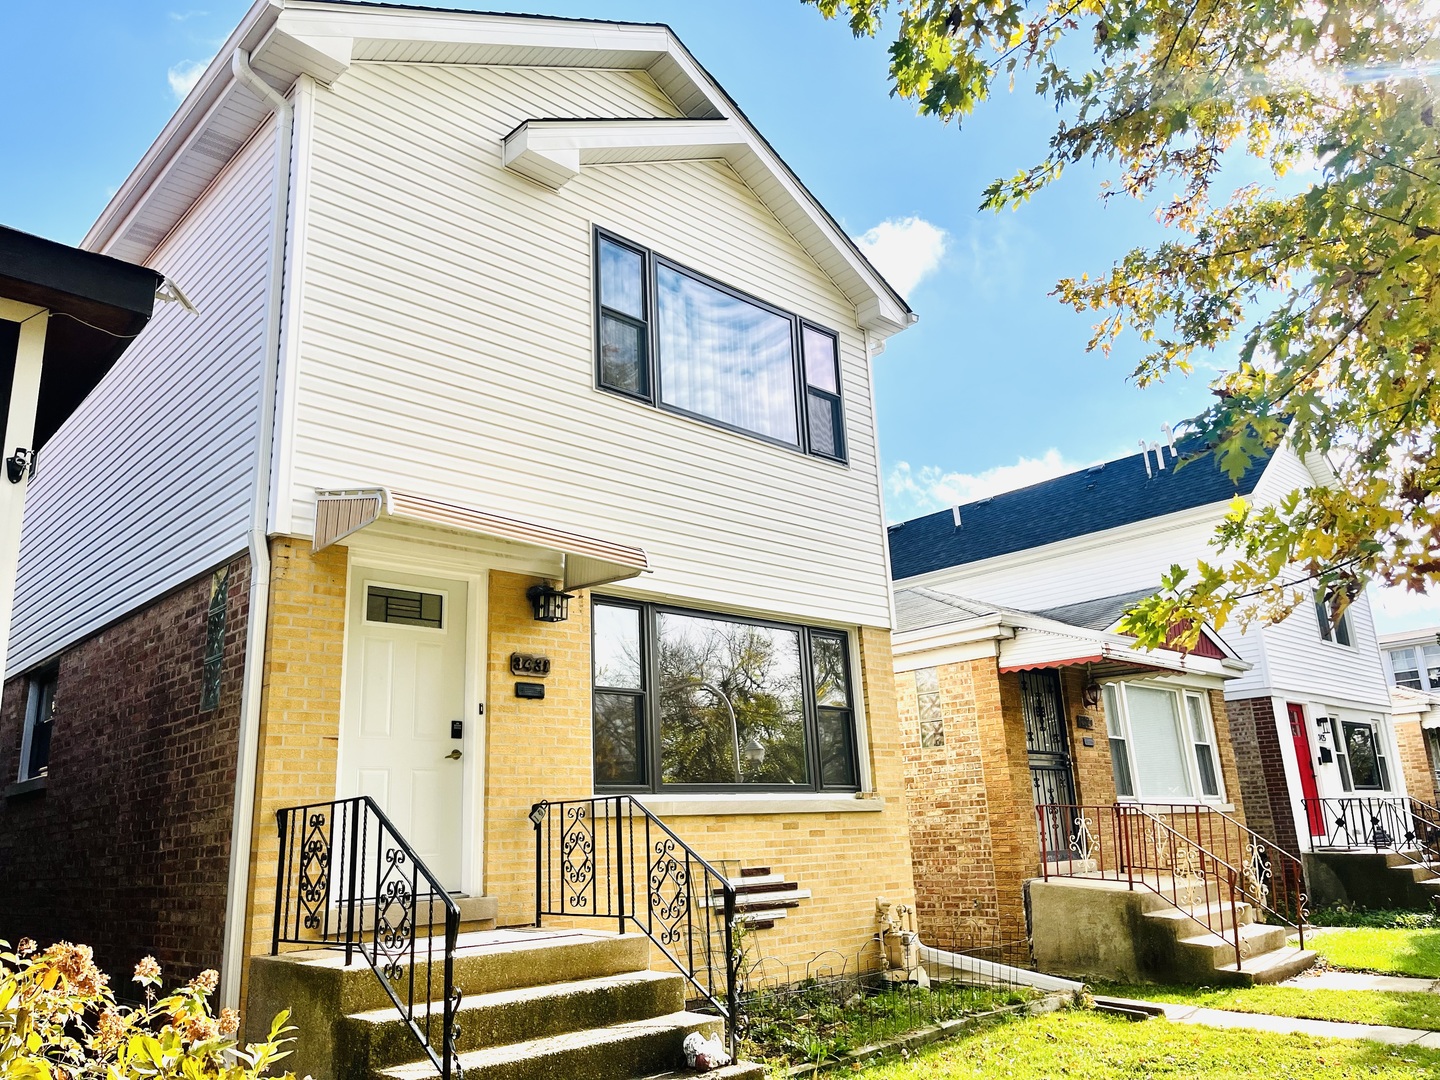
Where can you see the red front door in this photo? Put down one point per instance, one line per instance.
(1308, 789)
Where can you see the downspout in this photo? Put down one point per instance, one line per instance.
(237, 891)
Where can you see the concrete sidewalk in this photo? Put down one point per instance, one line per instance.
(1359, 980)
(1285, 1025)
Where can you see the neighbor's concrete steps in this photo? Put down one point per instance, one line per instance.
(1102, 929)
(537, 1004)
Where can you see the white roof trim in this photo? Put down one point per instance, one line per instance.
(551, 152)
(287, 38)
(589, 561)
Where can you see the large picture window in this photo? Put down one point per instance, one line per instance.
(669, 335)
(693, 700)
(1162, 743)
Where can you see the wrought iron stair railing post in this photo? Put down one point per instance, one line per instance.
(1404, 826)
(610, 858)
(340, 859)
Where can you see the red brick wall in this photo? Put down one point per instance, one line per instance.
(1264, 789)
(127, 847)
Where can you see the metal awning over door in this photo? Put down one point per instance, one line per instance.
(589, 560)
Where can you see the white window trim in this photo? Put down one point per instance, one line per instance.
(1187, 743)
(1385, 760)
(32, 708)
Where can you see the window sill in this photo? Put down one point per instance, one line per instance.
(34, 786)
(727, 805)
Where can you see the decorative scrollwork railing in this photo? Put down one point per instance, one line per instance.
(611, 858)
(348, 880)
(1405, 826)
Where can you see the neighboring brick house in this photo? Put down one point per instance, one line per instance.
(460, 350)
(1412, 664)
(1290, 717)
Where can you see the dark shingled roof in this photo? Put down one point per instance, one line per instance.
(1090, 500)
(1097, 614)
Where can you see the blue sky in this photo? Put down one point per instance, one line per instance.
(992, 389)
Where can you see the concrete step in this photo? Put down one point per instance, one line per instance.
(1277, 965)
(636, 1048)
(1255, 940)
(381, 1036)
(741, 1070)
(1216, 916)
(484, 963)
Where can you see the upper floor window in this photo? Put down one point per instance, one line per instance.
(1162, 743)
(39, 723)
(675, 338)
(1333, 627)
(1406, 668)
(688, 699)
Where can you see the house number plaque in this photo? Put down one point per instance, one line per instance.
(535, 666)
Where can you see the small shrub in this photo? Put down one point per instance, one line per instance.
(59, 1020)
(1342, 915)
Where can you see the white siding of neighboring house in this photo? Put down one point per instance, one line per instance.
(1289, 658)
(447, 343)
(148, 484)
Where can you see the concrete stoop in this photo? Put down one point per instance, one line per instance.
(1088, 928)
(1372, 879)
(536, 1004)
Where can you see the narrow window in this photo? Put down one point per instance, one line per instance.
(1406, 668)
(619, 702)
(624, 330)
(1205, 762)
(39, 723)
(215, 639)
(1367, 767)
(1342, 759)
(1119, 746)
(927, 700)
(825, 423)
(1432, 666)
(1333, 627)
(834, 713)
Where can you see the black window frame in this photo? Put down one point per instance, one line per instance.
(1382, 770)
(36, 685)
(650, 750)
(654, 390)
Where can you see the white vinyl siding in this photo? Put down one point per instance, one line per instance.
(148, 484)
(447, 344)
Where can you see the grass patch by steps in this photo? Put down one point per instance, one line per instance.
(1419, 1010)
(1078, 1045)
(822, 1020)
(1391, 952)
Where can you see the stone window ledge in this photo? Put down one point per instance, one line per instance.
(34, 786)
(726, 805)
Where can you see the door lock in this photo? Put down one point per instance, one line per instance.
(453, 755)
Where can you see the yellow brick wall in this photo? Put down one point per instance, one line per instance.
(1414, 762)
(541, 749)
(299, 707)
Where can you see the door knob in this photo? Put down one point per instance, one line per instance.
(453, 755)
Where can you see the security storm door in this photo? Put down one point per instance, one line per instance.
(404, 688)
(1048, 749)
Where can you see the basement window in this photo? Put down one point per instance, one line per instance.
(39, 723)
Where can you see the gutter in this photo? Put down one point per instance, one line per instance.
(237, 891)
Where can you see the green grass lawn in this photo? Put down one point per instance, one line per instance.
(1079, 1045)
(1351, 1006)
(1395, 952)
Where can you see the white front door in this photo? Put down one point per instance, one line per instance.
(404, 687)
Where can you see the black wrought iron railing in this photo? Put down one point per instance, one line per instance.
(1407, 827)
(348, 880)
(610, 858)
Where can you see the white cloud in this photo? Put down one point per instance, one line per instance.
(905, 250)
(184, 75)
(186, 16)
(1397, 610)
(929, 488)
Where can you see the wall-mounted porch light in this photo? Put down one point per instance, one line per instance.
(549, 603)
(1090, 695)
